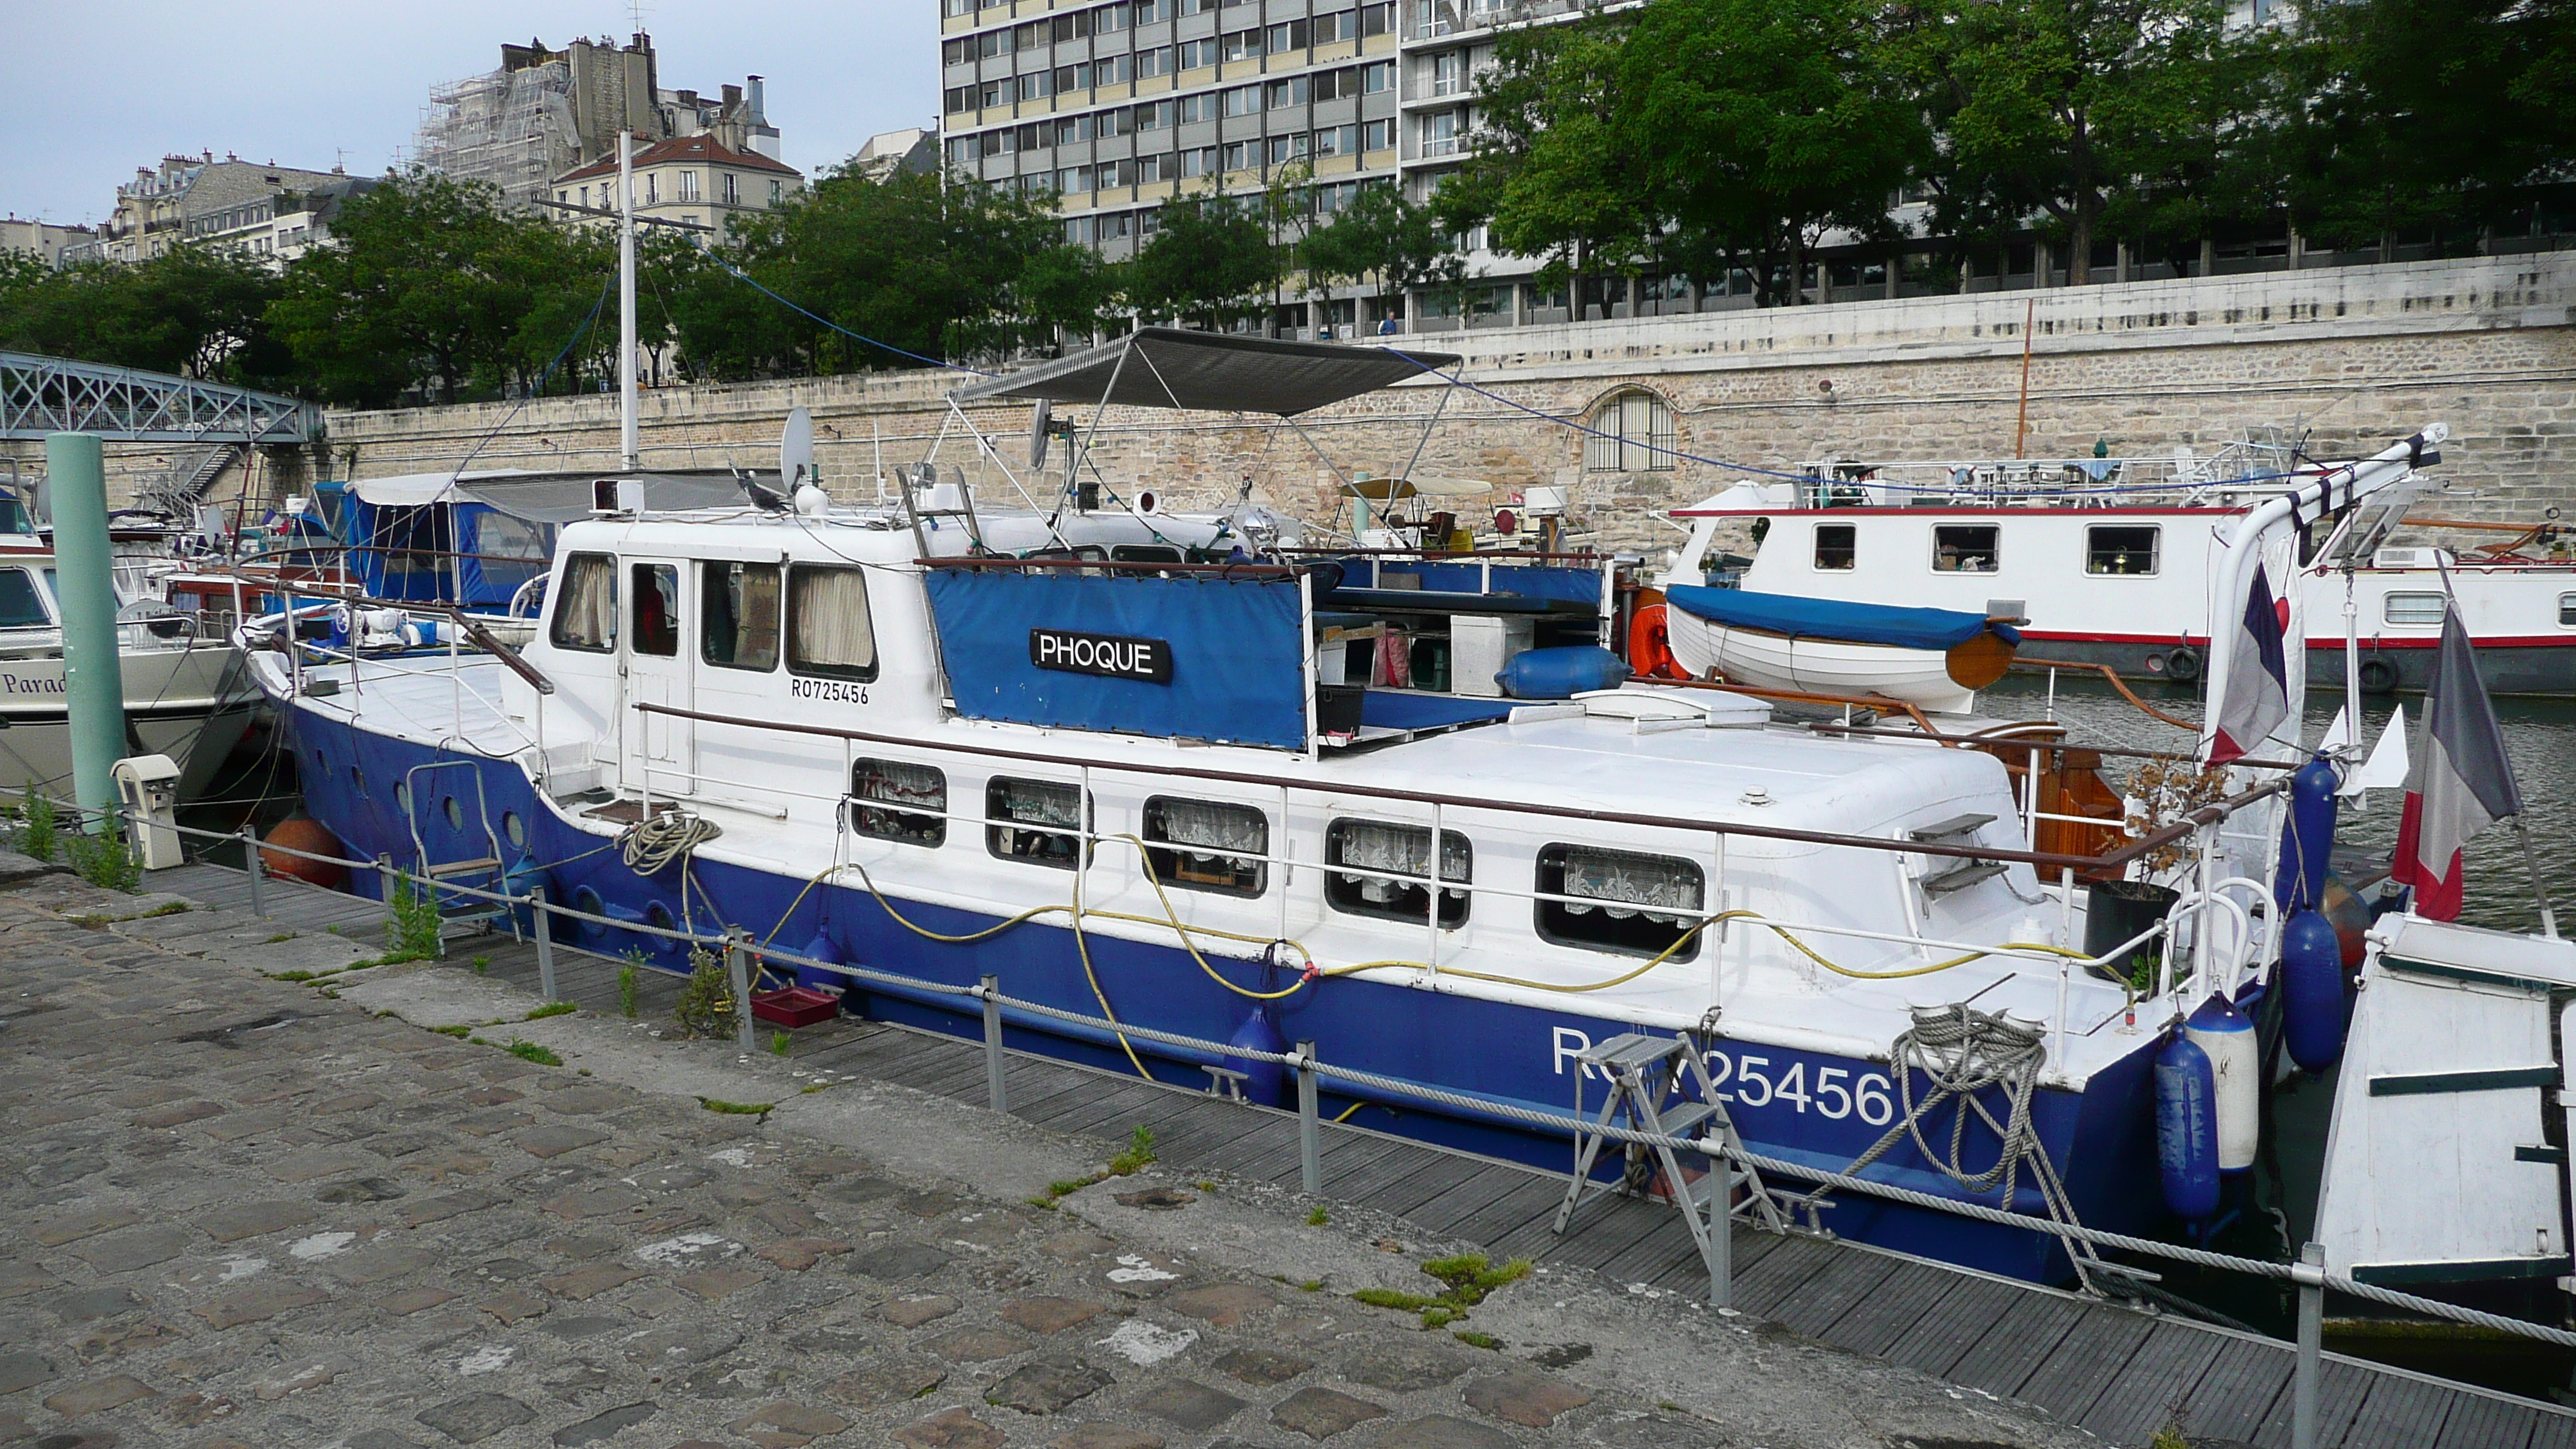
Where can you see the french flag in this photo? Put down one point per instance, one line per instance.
(2462, 780)
(2257, 681)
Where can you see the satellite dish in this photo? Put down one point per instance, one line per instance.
(1038, 434)
(796, 451)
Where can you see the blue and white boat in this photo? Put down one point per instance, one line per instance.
(1110, 755)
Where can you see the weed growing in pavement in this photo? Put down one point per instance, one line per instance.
(39, 829)
(482, 965)
(626, 1003)
(737, 1109)
(1470, 1277)
(706, 1006)
(528, 1051)
(1318, 1217)
(1139, 1153)
(105, 862)
(412, 925)
(551, 1008)
(456, 1031)
(279, 937)
(778, 1043)
(1473, 1339)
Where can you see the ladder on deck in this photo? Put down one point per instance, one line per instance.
(482, 872)
(1645, 1073)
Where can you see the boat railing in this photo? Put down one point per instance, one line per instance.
(744, 957)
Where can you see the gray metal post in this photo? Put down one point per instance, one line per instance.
(256, 869)
(738, 967)
(2310, 1274)
(1310, 1132)
(997, 1094)
(545, 942)
(1721, 1230)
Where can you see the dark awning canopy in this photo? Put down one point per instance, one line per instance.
(1168, 367)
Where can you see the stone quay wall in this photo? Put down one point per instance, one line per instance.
(2352, 357)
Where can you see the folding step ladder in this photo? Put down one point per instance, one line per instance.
(1645, 1073)
(482, 872)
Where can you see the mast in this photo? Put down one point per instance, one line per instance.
(626, 449)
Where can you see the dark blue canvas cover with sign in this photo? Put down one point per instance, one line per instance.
(1234, 647)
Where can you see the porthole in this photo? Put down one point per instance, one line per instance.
(514, 829)
(587, 901)
(455, 816)
(402, 796)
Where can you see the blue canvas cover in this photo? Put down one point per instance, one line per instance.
(1799, 618)
(1235, 650)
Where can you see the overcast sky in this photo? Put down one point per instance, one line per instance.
(100, 89)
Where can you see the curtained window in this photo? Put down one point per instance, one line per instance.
(657, 610)
(828, 632)
(1638, 905)
(738, 602)
(1018, 810)
(1202, 845)
(586, 610)
(1398, 850)
(877, 784)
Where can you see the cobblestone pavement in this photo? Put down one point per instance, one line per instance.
(244, 1211)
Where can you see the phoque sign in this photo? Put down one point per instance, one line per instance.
(1111, 656)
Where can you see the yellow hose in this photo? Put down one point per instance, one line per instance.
(1082, 946)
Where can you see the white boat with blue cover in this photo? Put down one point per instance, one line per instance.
(946, 741)
(1934, 659)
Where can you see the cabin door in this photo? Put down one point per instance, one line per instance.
(657, 750)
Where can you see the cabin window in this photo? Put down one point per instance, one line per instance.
(1964, 548)
(21, 607)
(2567, 611)
(1837, 546)
(1637, 905)
(657, 610)
(1017, 808)
(1203, 846)
(2420, 609)
(828, 632)
(877, 786)
(1631, 433)
(586, 613)
(2120, 548)
(738, 624)
(513, 550)
(1375, 845)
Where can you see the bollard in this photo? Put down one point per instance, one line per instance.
(256, 869)
(1310, 1133)
(85, 593)
(738, 967)
(2310, 1274)
(997, 1095)
(1721, 1230)
(545, 942)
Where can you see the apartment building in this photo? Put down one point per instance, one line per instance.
(1116, 107)
(696, 181)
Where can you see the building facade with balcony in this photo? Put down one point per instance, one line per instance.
(43, 240)
(696, 181)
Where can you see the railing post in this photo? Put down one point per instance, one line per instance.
(256, 869)
(1721, 1228)
(738, 968)
(997, 1093)
(545, 934)
(1310, 1146)
(2310, 1274)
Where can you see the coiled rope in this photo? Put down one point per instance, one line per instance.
(1963, 1053)
(650, 845)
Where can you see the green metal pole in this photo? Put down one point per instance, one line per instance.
(84, 584)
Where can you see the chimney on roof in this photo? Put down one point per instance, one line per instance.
(689, 99)
(732, 97)
(759, 117)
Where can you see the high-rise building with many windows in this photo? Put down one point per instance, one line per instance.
(1116, 107)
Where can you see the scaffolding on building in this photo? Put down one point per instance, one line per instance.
(512, 129)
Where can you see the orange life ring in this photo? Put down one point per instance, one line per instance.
(1650, 649)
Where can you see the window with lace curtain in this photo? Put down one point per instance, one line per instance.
(1201, 845)
(876, 785)
(828, 632)
(1636, 905)
(1020, 809)
(1632, 433)
(1398, 850)
(586, 610)
(738, 614)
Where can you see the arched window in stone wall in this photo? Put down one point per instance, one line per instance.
(1632, 433)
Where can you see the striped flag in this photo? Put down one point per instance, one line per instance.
(2462, 780)
(2256, 685)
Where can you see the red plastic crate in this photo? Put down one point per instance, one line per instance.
(794, 1006)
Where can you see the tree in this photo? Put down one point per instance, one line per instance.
(1552, 174)
(1380, 234)
(194, 311)
(2068, 108)
(1212, 257)
(1762, 124)
(415, 291)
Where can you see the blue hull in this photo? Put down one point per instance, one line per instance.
(1802, 1107)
